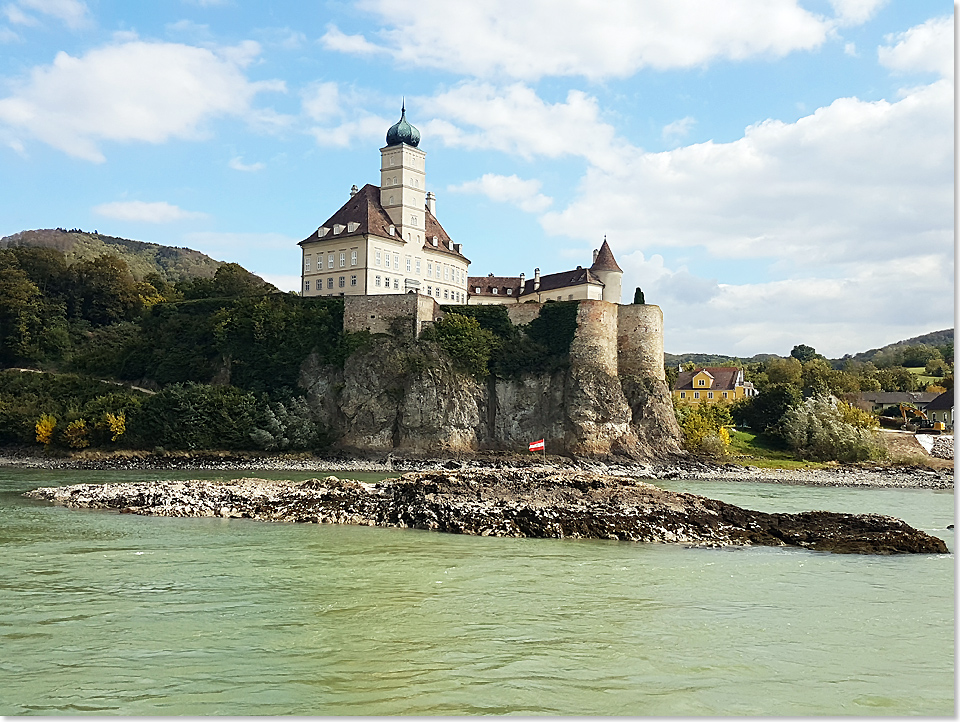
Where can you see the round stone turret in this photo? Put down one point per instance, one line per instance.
(403, 132)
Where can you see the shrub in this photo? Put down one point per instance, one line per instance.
(76, 434)
(45, 428)
(468, 345)
(703, 428)
(816, 430)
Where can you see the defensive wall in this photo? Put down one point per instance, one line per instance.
(621, 340)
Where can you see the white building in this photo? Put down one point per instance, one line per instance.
(387, 239)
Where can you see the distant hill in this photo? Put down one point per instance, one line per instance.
(707, 359)
(173, 264)
(934, 338)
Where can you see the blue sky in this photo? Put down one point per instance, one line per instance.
(769, 173)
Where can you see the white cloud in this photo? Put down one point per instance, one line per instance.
(71, 13)
(678, 129)
(132, 91)
(335, 39)
(284, 282)
(525, 194)
(342, 116)
(851, 50)
(855, 12)
(536, 38)
(923, 48)
(515, 120)
(9, 36)
(159, 212)
(238, 164)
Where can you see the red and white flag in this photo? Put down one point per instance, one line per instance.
(536, 445)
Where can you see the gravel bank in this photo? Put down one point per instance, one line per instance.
(916, 477)
(542, 503)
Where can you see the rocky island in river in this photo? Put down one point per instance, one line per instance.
(539, 503)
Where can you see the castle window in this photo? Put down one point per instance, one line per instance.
(378, 257)
(701, 382)
(418, 266)
(306, 285)
(390, 202)
(353, 280)
(342, 281)
(696, 394)
(724, 394)
(429, 268)
(416, 183)
(476, 290)
(709, 394)
(683, 394)
(343, 259)
(386, 281)
(446, 273)
(509, 291)
(330, 260)
(306, 263)
(409, 264)
(495, 290)
(396, 283)
(330, 282)
(429, 290)
(396, 261)
(353, 258)
(445, 294)
(437, 294)
(377, 282)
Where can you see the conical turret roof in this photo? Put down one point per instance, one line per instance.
(605, 260)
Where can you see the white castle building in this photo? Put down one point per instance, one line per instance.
(387, 240)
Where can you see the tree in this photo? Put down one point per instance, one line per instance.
(104, 291)
(816, 429)
(638, 296)
(461, 337)
(763, 412)
(804, 353)
(781, 371)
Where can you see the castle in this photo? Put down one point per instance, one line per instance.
(386, 253)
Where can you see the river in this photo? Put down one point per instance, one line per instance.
(110, 614)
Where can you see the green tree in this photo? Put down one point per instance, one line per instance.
(468, 345)
(638, 296)
(764, 412)
(816, 430)
(804, 353)
(104, 292)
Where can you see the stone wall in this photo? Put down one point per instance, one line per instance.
(378, 314)
(595, 342)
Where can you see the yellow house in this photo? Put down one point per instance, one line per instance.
(712, 384)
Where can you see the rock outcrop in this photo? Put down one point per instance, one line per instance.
(542, 503)
(408, 396)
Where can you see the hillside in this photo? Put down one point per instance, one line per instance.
(173, 264)
(934, 338)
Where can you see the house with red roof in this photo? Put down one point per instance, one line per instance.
(712, 384)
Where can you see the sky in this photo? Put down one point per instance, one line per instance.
(769, 173)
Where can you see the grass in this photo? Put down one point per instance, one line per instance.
(749, 449)
(921, 373)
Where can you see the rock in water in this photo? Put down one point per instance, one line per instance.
(541, 503)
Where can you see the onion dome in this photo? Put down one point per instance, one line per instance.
(403, 132)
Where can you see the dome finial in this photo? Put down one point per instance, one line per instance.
(402, 131)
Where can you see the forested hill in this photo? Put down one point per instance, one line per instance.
(170, 263)
(886, 355)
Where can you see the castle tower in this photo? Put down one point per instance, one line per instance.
(606, 269)
(403, 180)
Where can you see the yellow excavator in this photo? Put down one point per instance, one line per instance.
(916, 420)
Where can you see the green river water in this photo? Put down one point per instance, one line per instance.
(109, 614)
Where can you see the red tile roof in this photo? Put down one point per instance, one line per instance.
(486, 284)
(724, 379)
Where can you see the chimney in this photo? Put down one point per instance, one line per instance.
(436, 242)
(432, 203)
(536, 279)
(596, 252)
(354, 190)
(522, 281)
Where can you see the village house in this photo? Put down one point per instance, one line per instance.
(712, 384)
(941, 409)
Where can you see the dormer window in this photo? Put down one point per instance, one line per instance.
(322, 231)
(338, 228)
(509, 291)
(701, 382)
(476, 290)
(352, 226)
(392, 230)
(495, 291)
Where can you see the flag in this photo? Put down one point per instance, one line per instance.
(536, 445)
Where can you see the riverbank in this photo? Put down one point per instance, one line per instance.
(880, 476)
(537, 502)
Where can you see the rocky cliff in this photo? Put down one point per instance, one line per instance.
(408, 396)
